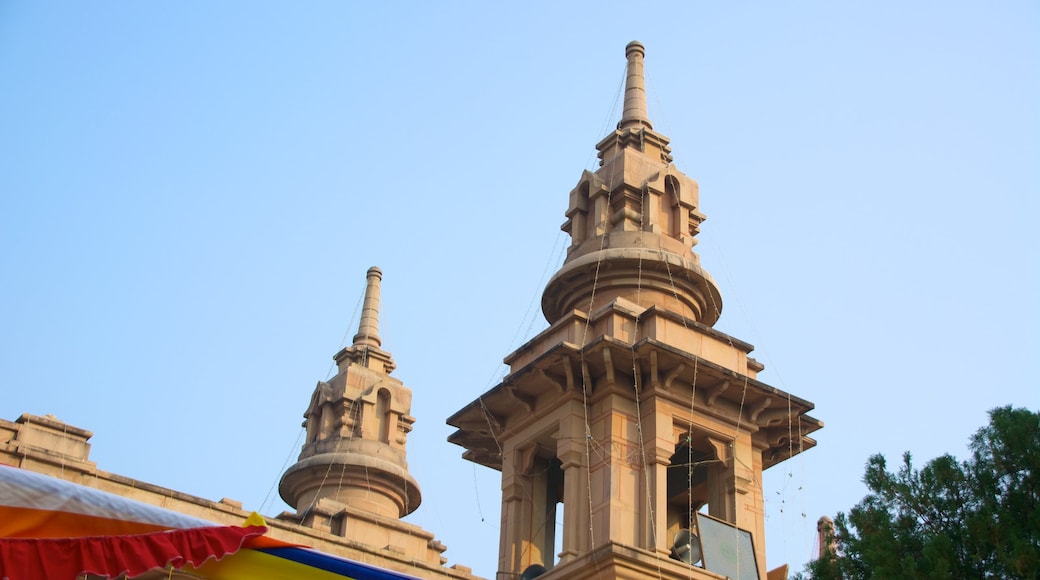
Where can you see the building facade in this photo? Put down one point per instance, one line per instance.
(631, 419)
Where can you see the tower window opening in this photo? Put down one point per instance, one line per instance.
(338, 524)
(554, 508)
(692, 477)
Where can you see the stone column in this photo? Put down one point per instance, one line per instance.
(571, 451)
(658, 447)
(513, 527)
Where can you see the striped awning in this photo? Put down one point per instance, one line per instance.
(50, 528)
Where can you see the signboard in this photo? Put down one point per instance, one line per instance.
(726, 549)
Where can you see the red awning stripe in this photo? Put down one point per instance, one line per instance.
(67, 558)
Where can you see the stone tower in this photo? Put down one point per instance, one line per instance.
(630, 413)
(357, 425)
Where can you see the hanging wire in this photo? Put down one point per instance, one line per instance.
(585, 379)
(793, 419)
(651, 520)
(285, 465)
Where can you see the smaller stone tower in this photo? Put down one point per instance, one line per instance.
(357, 425)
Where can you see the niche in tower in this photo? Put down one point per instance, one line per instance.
(672, 208)
(384, 414)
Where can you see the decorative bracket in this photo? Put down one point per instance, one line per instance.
(758, 410)
(524, 400)
(714, 393)
(673, 375)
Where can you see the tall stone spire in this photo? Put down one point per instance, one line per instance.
(630, 410)
(632, 224)
(357, 425)
(635, 114)
(368, 330)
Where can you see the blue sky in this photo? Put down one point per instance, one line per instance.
(191, 193)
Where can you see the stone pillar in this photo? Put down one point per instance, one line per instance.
(749, 501)
(513, 528)
(571, 450)
(619, 513)
(720, 482)
(735, 495)
(658, 448)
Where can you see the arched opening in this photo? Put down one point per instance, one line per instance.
(670, 208)
(581, 217)
(693, 476)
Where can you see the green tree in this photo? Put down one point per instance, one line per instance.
(976, 519)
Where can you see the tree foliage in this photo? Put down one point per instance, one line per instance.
(976, 519)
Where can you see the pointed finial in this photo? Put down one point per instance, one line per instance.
(634, 114)
(368, 330)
